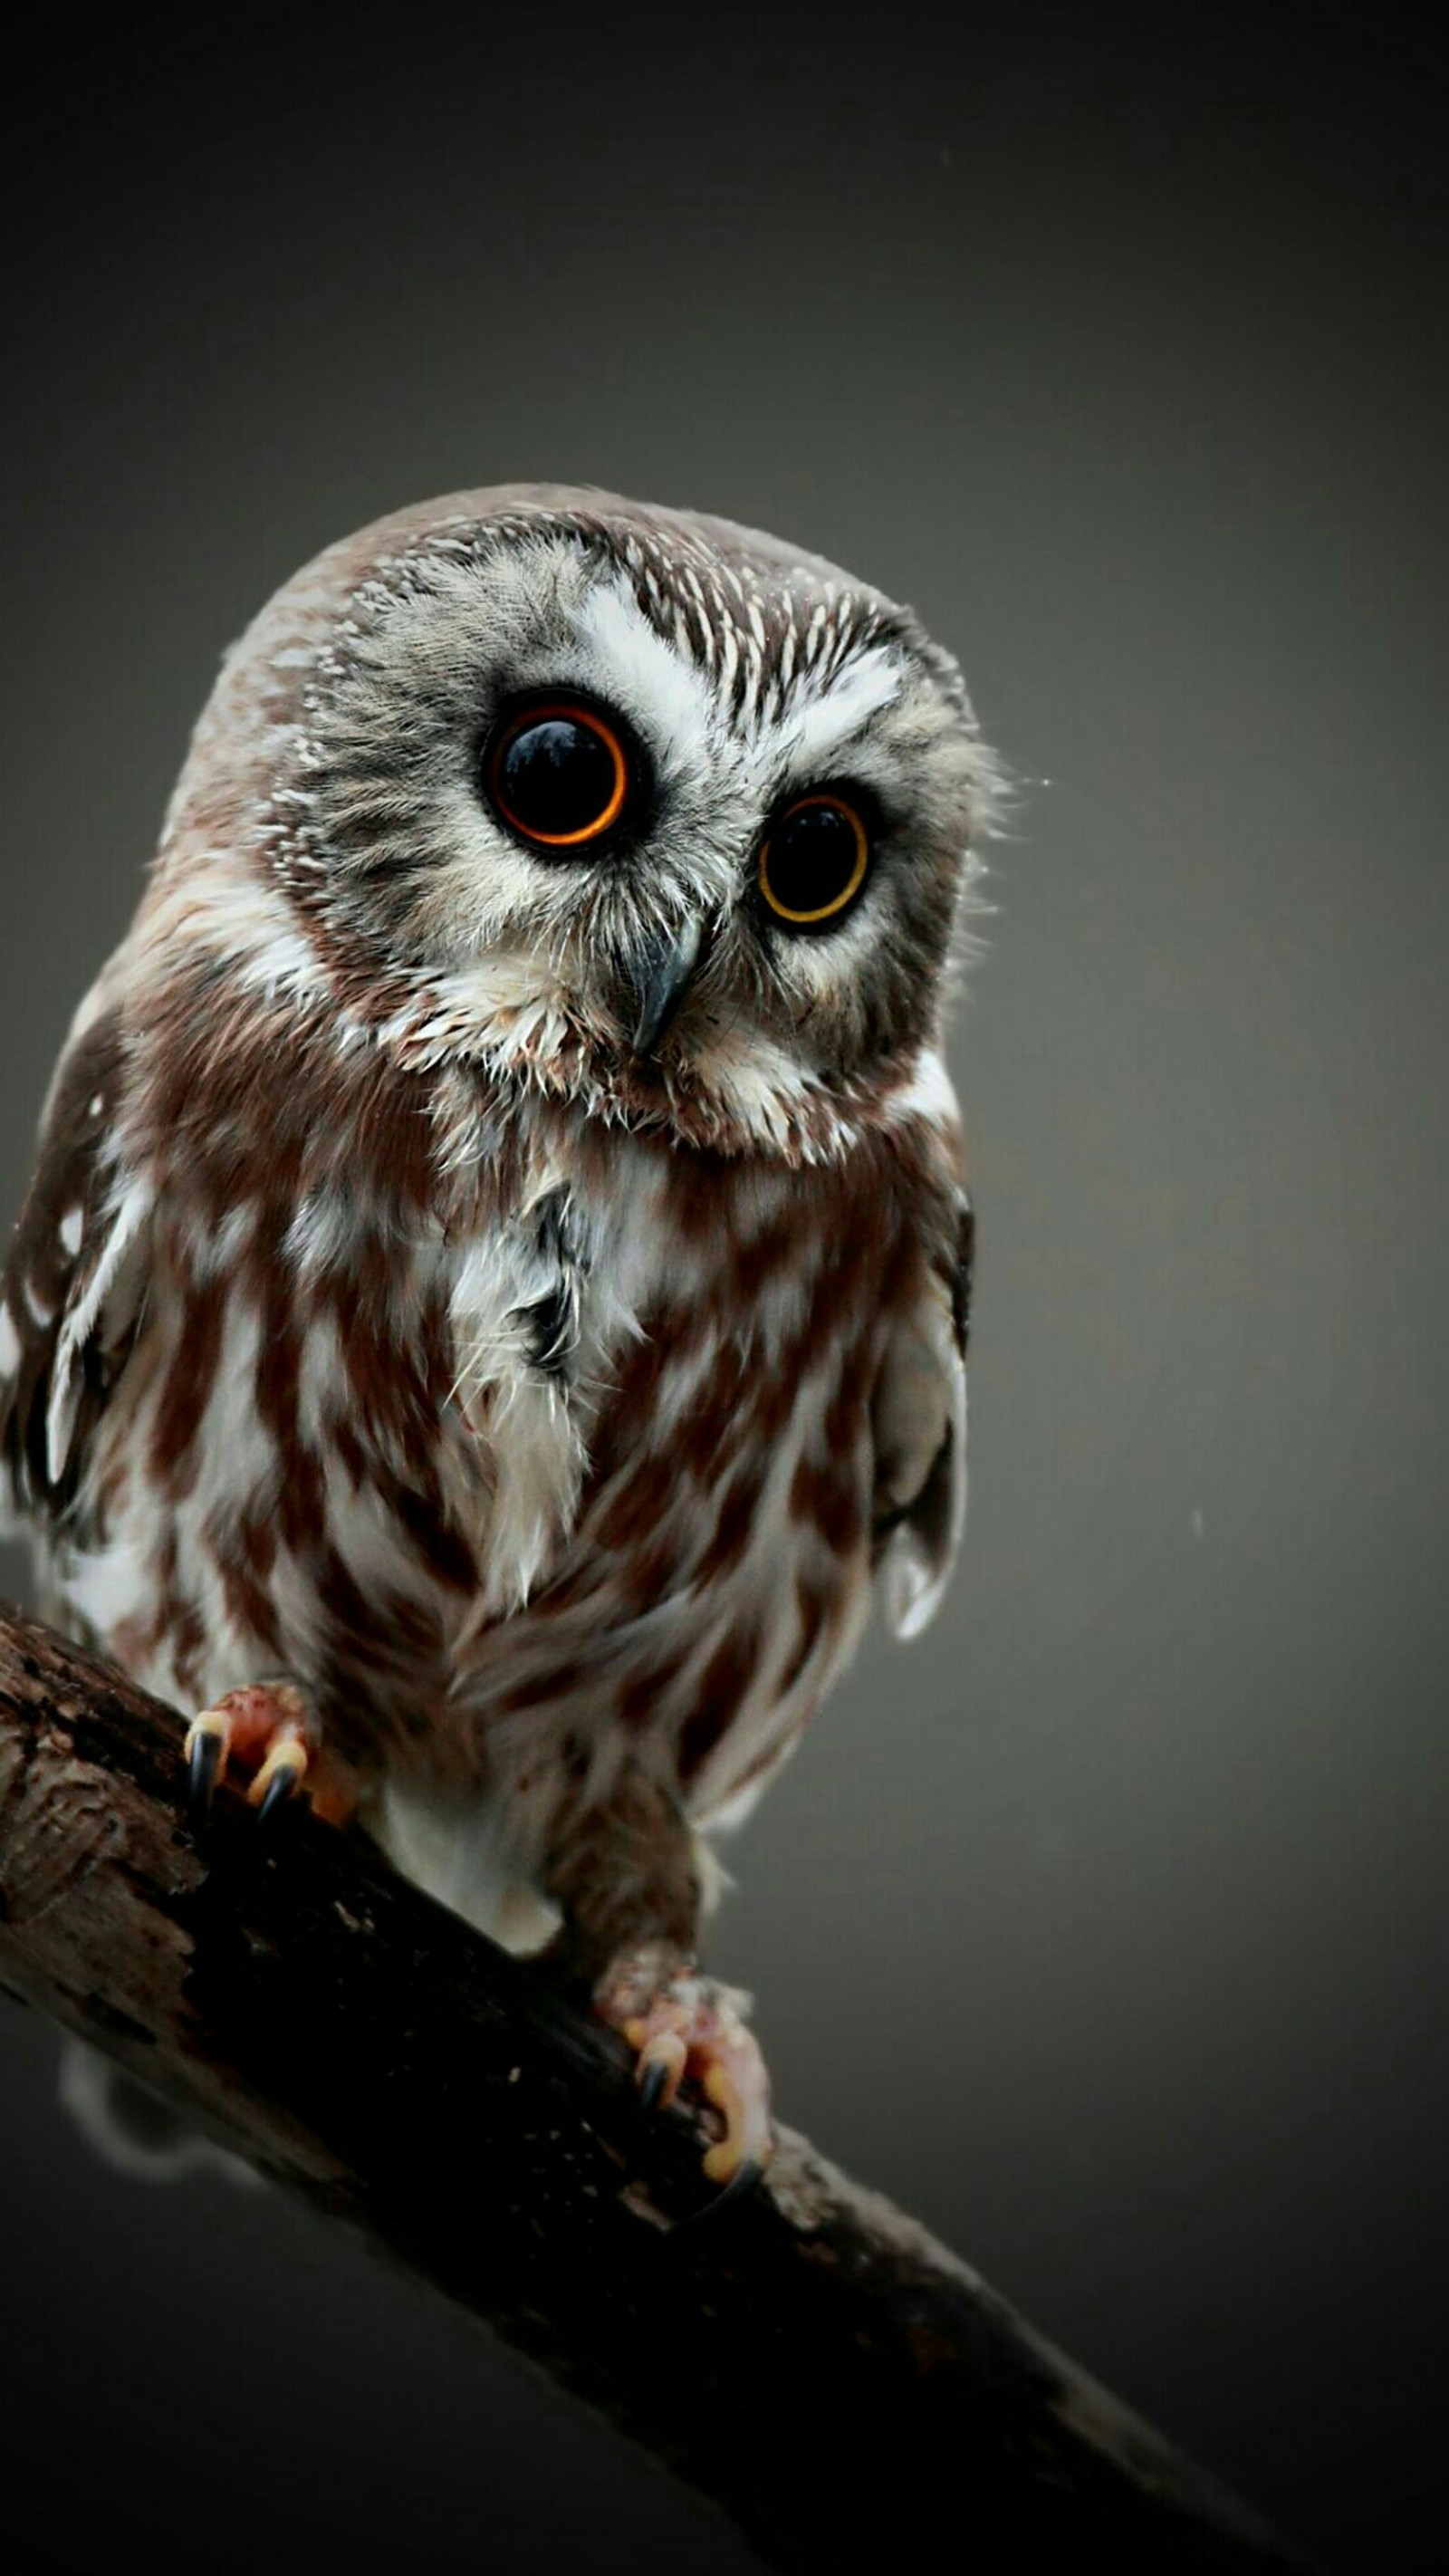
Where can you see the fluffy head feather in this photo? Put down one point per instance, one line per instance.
(330, 836)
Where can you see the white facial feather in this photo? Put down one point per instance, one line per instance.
(824, 720)
(666, 696)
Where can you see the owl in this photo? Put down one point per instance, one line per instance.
(491, 1302)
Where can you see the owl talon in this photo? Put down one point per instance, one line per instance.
(278, 1780)
(688, 2027)
(266, 1732)
(205, 1761)
(663, 2060)
(745, 2179)
(734, 2080)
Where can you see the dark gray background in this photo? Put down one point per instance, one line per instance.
(1104, 1928)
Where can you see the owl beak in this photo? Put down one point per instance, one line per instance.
(667, 971)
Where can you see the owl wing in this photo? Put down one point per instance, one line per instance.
(919, 1420)
(74, 1279)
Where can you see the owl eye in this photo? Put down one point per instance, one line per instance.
(558, 774)
(813, 860)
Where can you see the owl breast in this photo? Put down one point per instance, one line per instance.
(712, 1571)
(582, 1481)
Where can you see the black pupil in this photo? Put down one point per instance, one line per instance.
(556, 776)
(813, 854)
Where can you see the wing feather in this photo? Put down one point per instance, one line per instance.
(920, 1437)
(74, 1279)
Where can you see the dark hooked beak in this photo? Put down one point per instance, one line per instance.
(666, 972)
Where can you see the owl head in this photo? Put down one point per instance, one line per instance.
(637, 806)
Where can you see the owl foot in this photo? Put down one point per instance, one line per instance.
(688, 2028)
(268, 1731)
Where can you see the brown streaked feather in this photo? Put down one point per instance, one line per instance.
(920, 1431)
(74, 1279)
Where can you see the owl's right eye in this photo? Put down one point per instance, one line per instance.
(558, 774)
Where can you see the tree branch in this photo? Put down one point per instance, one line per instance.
(810, 2359)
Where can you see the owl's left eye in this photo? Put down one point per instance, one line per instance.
(558, 774)
(813, 861)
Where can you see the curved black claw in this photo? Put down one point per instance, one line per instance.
(745, 2179)
(280, 1790)
(202, 1773)
(651, 2085)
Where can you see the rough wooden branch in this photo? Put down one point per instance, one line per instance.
(810, 2359)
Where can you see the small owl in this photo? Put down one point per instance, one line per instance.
(493, 1290)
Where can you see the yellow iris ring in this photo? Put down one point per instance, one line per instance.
(595, 724)
(852, 887)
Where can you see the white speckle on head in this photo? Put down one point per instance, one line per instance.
(9, 1344)
(667, 696)
(821, 727)
(96, 1105)
(72, 1227)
